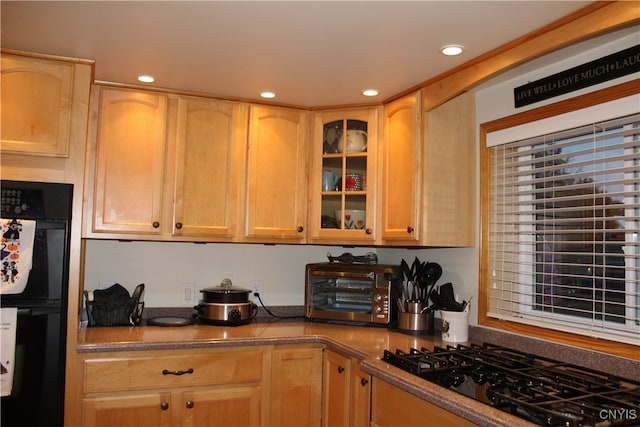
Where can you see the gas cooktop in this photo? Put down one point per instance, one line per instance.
(541, 390)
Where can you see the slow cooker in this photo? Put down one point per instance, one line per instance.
(226, 305)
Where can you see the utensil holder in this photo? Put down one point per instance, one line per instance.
(455, 326)
(416, 323)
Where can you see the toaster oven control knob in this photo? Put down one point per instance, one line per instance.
(235, 315)
(378, 298)
(378, 309)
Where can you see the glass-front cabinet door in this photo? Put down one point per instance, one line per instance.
(343, 176)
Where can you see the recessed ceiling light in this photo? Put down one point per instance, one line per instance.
(451, 50)
(146, 78)
(268, 95)
(369, 92)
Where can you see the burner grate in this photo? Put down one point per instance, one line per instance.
(541, 390)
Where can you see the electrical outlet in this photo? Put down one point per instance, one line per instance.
(187, 294)
(256, 286)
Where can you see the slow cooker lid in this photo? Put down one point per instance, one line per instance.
(226, 287)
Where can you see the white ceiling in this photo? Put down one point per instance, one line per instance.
(311, 53)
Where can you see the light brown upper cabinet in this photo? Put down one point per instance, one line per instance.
(166, 167)
(448, 173)
(207, 166)
(401, 172)
(276, 180)
(37, 102)
(343, 176)
(129, 144)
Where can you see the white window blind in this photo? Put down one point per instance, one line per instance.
(564, 251)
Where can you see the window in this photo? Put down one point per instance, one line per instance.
(563, 249)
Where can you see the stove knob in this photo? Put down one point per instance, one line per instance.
(479, 376)
(235, 315)
(456, 378)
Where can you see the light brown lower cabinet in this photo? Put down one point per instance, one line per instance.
(296, 386)
(346, 392)
(391, 406)
(185, 388)
(280, 386)
(237, 406)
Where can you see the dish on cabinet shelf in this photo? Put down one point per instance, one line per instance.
(353, 218)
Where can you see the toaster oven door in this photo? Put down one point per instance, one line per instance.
(336, 296)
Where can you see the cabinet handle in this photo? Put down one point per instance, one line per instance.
(156, 224)
(189, 404)
(164, 406)
(167, 372)
(364, 381)
(409, 229)
(178, 225)
(340, 369)
(300, 229)
(368, 231)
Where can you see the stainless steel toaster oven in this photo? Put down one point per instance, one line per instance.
(352, 292)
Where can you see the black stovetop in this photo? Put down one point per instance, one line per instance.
(541, 390)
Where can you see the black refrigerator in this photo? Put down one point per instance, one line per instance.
(37, 396)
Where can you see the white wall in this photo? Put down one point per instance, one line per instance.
(164, 266)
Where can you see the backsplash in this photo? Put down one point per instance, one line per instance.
(165, 266)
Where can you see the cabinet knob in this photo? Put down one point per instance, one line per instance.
(409, 229)
(364, 381)
(189, 404)
(300, 229)
(156, 224)
(340, 369)
(178, 225)
(164, 406)
(368, 231)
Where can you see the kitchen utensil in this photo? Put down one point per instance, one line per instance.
(416, 323)
(455, 326)
(353, 218)
(445, 299)
(329, 180)
(353, 182)
(226, 314)
(414, 307)
(356, 141)
(225, 294)
(169, 321)
(226, 305)
(406, 270)
(348, 258)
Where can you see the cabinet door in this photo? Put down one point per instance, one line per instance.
(36, 102)
(130, 150)
(401, 171)
(360, 415)
(210, 135)
(391, 406)
(223, 407)
(335, 390)
(344, 150)
(137, 410)
(277, 175)
(296, 388)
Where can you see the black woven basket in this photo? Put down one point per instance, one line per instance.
(114, 306)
